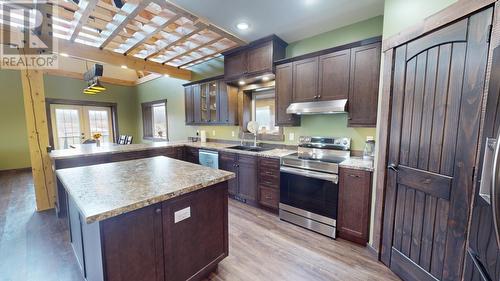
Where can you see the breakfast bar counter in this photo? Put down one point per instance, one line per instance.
(134, 220)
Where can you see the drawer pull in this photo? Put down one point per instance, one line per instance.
(354, 176)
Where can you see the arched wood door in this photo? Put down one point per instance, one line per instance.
(438, 84)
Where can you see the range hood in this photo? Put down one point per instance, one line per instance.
(318, 107)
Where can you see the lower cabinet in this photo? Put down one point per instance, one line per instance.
(148, 243)
(244, 186)
(354, 205)
(191, 155)
(227, 162)
(269, 182)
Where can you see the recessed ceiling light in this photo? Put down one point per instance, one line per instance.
(241, 82)
(124, 67)
(242, 26)
(265, 78)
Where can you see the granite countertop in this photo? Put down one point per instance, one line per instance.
(357, 163)
(93, 150)
(107, 190)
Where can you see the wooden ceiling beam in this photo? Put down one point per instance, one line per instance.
(85, 8)
(199, 27)
(149, 35)
(199, 60)
(194, 49)
(110, 57)
(139, 7)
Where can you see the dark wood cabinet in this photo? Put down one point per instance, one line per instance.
(334, 75)
(191, 155)
(244, 186)
(269, 182)
(283, 89)
(364, 85)
(260, 58)
(254, 59)
(247, 177)
(354, 205)
(211, 101)
(305, 80)
(348, 72)
(235, 65)
(228, 162)
(189, 106)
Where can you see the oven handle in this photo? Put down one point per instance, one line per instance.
(311, 174)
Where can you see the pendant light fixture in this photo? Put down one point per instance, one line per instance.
(92, 78)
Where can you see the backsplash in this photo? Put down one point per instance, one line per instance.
(311, 125)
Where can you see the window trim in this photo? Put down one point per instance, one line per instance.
(150, 104)
(113, 106)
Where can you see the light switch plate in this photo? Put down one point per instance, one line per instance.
(232, 133)
(182, 214)
(213, 132)
(291, 136)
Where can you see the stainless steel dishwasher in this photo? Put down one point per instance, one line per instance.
(209, 158)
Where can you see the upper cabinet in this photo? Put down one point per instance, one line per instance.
(349, 72)
(333, 72)
(283, 88)
(211, 101)
(363, 90)
(305, 80)
(253, 59)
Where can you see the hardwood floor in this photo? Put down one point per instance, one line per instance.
(35, 246)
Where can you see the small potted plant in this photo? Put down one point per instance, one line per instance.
(97, 138)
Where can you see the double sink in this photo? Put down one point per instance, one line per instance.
(249, 148)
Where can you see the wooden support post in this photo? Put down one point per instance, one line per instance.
(38, 137)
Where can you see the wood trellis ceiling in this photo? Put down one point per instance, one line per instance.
(153, 30)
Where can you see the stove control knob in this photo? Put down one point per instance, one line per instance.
(345, 142)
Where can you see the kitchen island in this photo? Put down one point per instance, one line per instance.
(147, 219)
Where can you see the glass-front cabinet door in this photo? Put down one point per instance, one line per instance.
(205, 117)
(212, 101)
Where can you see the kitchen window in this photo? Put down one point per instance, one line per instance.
(155, 120)
(264, 113)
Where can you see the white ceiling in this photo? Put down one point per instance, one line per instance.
(292, 20)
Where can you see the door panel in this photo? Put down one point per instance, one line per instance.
(438, 82)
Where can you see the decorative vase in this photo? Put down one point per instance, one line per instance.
(98, 143)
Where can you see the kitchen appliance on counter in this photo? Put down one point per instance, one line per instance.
(309, 183)
(208, 158)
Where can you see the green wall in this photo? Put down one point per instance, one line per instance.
(14, 152)
(344, 35)
(401, 14)
(172, 90)
(123, 96)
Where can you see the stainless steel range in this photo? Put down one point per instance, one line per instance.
(309, 183)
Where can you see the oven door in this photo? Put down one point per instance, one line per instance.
(310, 191)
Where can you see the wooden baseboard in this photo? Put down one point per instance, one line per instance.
(18, 170)
(372, 251)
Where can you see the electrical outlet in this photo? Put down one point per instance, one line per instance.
(213, 132)
(291, 136)
(232, 134)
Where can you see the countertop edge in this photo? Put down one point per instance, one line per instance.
(143, 203)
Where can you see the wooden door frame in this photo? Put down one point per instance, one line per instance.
(454, 12)
(111, 105)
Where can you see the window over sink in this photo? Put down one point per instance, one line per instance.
(264, 113)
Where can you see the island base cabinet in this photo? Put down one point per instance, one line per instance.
(179, 239)
(194, 246)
